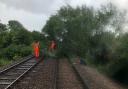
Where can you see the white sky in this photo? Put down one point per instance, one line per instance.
(33, 14)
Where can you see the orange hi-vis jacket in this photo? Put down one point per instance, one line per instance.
(36, 49)
(53, 45)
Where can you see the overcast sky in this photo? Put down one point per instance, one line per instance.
(33, 14)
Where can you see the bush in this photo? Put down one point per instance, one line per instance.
(13, 52)
(10, 52)
(4, 62)
(25, 51)
(118, 70)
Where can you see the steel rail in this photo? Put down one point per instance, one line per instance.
(78, 75)
(6, 69)
(56, 75)
(9, 86)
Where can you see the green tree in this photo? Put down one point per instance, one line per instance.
(3, 28)
(15, 25)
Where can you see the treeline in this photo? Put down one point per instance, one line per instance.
(94, 35)
(16, 41)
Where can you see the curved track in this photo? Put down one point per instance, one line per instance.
(42, 76)
(11, 75)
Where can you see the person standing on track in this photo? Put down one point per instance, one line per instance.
(36, 49)
(52, 46)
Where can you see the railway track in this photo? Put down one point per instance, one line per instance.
(48, 74)
(9, 76)
(68, 77)
(43, 76)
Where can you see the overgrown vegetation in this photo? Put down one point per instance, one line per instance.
(94, 35)
(16, 41)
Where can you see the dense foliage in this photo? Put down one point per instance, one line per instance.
(94, 35)
(16, 41)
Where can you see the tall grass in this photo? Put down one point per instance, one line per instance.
(4, 62)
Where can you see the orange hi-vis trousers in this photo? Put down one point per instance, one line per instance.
(36, 52)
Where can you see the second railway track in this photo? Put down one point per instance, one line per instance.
(68, 77)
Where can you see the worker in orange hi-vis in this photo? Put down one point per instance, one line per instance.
(36, 49)
(52, 46)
